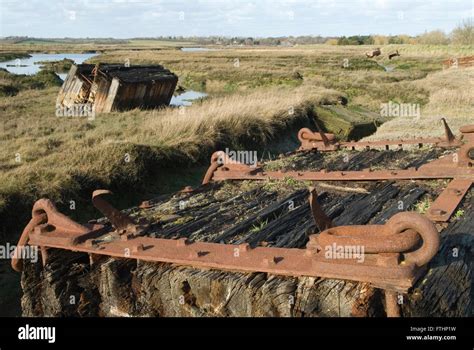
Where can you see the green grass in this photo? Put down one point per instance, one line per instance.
(248, 106)
(12, 84)
(9, 56)
(133, 152)
(60, 66)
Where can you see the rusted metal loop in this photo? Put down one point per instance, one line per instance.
(44, 213)
(16, 261)
(119, 220)
(466, 153)
(213, 167)
(373, 238)
(55, 218)
(306, 134)
(410, 221)
(220, 159)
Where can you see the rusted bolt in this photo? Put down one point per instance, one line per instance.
(193, 255)
(268, 262)
(125, 237)
(137, 248)
(437, 211)
(271, 261)
(197, 254)
(40, 229)
(456, 192)
(244, 247)
(181, 242)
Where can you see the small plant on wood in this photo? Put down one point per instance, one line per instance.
(459, 214)
(258, 227)
(423, 206)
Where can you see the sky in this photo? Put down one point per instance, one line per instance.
(245, 18)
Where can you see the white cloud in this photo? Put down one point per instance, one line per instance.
(129, 18)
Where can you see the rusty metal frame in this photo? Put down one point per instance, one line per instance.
(325, 142)
(457, 167)
(395, 254)
(393, 258)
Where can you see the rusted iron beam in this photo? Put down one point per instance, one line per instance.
(121, 222)
(457, 166)
(391, 304)
(387, 256)
(447, 202)
(448, 167)
(326, 142)
(396, 270)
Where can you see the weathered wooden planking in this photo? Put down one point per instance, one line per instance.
(108, 104)
(116, 87)
(121, 287)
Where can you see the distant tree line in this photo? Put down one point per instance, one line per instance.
(463, 34)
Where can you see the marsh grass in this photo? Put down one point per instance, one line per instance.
(66, 158)
(450, 95)
(249, 107)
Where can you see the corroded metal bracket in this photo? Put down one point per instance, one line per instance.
(322, 221)
(445, 205)
(123, 223)
(457, 166)
(325, 142)
(387, 256)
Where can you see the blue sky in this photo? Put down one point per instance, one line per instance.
(256, 18)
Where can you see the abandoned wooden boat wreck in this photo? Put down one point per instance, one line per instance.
(115, 87)
(248, 212)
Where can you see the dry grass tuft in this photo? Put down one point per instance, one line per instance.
(450, 96)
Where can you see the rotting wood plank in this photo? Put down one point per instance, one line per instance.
(118, 287)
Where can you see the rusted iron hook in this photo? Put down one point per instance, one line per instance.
(44, 213)
(122, 222)
(221, 159)
(400, 234)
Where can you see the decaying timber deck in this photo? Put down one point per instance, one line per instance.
(253, 212)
